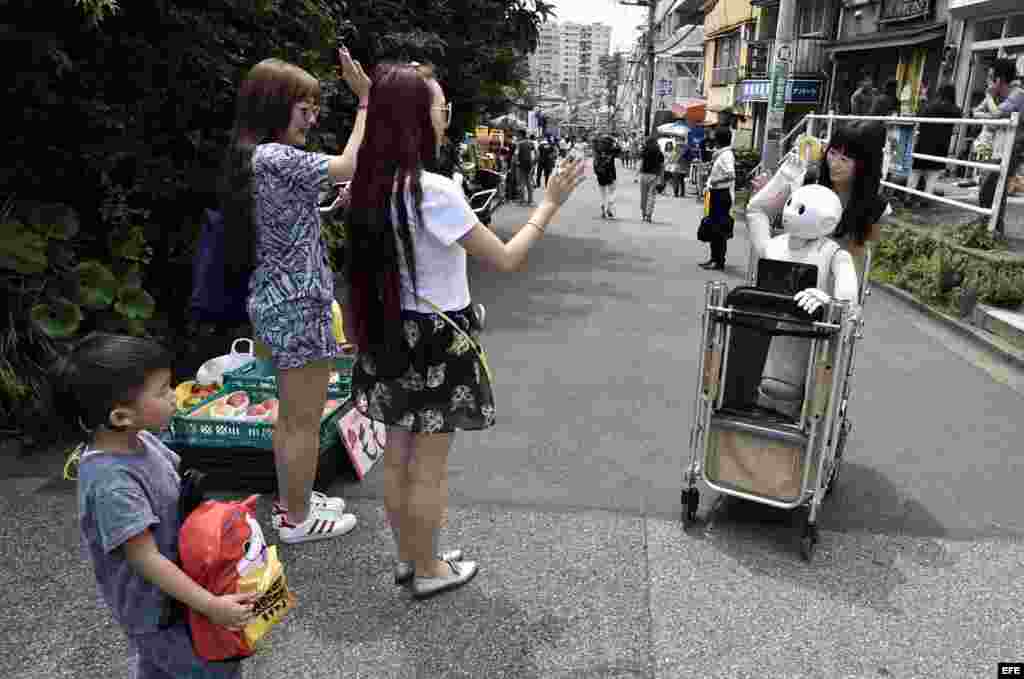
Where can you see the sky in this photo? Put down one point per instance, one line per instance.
(623, 20)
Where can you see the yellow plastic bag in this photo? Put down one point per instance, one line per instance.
(707, 203)
(339, 325)
(277, 599)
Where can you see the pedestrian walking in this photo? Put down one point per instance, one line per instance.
(721, 186)
(652, 169)
(548, 154)
(119, 389)
(421, 369)
(605, 153)
(268, 192)
(933, 140)
(525, 159)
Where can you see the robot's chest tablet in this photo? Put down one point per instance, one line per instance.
(785, 278)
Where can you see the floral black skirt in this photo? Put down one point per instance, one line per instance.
(444, 386)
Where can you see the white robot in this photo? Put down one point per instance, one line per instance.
(809, 216)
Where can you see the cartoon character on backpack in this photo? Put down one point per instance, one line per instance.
(221, 547)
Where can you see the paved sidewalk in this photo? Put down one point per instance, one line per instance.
(581, 595)
(571, 505)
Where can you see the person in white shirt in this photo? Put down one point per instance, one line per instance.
(721, 184)
(420, 368)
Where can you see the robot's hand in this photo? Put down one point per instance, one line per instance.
(793, 166)
(811, 299)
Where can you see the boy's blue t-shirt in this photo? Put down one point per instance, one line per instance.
(120, 496)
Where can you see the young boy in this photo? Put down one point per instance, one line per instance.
(128, 492)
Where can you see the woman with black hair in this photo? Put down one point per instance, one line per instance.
(852, 167)
(721, 187)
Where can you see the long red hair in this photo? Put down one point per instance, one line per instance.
(398, 144)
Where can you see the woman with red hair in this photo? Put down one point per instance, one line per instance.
(420, 368)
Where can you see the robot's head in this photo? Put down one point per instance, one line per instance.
(813, 211)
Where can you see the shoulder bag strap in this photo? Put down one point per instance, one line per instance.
(467, 340)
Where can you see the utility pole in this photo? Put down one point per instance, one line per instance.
(651, 6)
(785, 47)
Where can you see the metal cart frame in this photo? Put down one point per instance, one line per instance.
(813, 442)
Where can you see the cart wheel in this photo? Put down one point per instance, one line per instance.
(808, 541)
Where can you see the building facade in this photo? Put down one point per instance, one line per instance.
(678, 65)
(729, 28)
(901, 40)
(809, 68)
(982, 31)
(567, 60)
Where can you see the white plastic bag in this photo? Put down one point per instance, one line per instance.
(212, 372)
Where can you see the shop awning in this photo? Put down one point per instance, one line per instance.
(887, 39)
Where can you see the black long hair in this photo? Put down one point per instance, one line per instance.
(398, 145)
(263, 112)
(864, 142)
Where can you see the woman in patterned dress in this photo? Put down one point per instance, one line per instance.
(268, 194)
(418, 371)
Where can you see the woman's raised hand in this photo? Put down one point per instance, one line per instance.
(352, 72)
(565, 180)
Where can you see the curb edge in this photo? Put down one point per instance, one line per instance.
(969, 332)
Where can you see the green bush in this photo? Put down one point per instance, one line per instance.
(938, 271)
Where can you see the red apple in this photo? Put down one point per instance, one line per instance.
(256, 411)
(270, 404)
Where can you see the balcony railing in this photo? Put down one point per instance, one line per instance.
(808, 58)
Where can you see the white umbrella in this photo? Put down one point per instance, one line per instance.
(676, 129)
(508, 120)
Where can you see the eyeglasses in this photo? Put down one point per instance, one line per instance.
(446, 107)
(838, 155)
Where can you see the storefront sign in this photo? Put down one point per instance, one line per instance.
(904, 10)
(797, 91)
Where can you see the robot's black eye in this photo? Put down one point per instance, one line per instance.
(789, 202)
(802, 209)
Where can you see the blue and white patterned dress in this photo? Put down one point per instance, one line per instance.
(292, 286)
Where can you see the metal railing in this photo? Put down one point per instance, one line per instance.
(1003, 167)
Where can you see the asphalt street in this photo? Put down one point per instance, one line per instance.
(571, 505)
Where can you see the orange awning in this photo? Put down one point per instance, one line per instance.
(692, 110)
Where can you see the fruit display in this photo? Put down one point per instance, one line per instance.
(190, 394)
(239, 406)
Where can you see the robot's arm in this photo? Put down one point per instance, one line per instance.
(844, 281)
(769, 201)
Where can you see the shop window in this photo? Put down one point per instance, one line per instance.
(992, 29)
(1015, 26)
(813, 18)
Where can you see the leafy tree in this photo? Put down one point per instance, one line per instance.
(122, 113)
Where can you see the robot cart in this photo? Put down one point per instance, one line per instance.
(776, 444)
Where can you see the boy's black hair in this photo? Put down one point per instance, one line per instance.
(1004, 69)
(103, 371)
(723, 136)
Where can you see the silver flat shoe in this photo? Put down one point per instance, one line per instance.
(462, 572)
(404, 570)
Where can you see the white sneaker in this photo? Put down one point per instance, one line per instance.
(319, 525)
(316, 500)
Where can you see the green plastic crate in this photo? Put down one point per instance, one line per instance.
(260, 374)
(202, 432)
